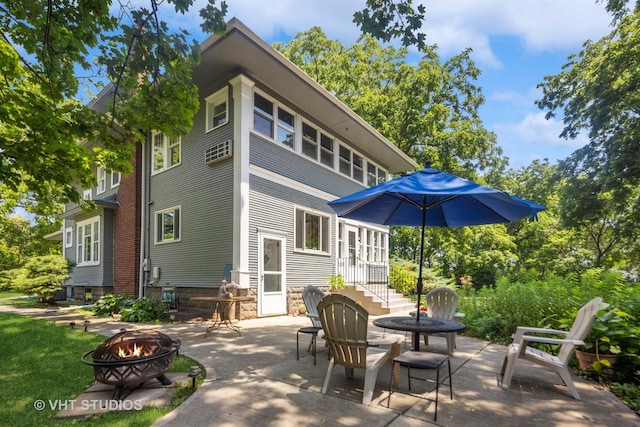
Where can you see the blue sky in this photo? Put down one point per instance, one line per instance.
(515, 44)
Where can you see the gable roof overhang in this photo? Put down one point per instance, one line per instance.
(240, 51)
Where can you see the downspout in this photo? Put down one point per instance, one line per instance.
(143, 222)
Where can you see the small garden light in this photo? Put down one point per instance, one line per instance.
(194, 371)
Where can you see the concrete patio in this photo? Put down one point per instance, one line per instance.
(255, 380)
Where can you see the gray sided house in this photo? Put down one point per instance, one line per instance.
(243, 196)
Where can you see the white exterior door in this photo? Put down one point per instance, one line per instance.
(272, 287)
(352, 250)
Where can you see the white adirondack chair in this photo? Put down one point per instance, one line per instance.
(571, 339)
(345, 324)
(442, 303)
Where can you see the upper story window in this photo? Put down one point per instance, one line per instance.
(217, 109)
(326, 150)
(317, 145)
(310, 141)
(279, 124)
(68, 237)
(168, 223)
(375, 175)
(116, 177)
(166, 152)
(88, 235)
(285, 133)
(273, 121)
(263, 115)
(102, 180)
(86, 194)
(312, 231)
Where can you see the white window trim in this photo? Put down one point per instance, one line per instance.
(94, 240)
(221, 96)
(116, 183)
(322, 215)
(68, 237)
(101, 174)
(166, 152)
(157, 239)
(86, 194)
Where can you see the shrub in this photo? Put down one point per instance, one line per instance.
(402, 277)
(145, 310)
(43, 276)
(110, 304)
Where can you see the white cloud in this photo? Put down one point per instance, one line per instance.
(542, 25)
(535, 128)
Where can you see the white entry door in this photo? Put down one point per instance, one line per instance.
(352, 246)
(272, 286)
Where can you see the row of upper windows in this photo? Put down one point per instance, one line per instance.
(278, 123)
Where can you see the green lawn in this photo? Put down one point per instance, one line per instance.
(41, 361)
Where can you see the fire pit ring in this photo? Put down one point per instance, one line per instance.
(129, 358)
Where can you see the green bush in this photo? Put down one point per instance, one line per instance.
(110, 304)
(8, 278)
(43, 276)
(402, 277)
(145, 310)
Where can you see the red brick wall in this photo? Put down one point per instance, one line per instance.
(126, 233)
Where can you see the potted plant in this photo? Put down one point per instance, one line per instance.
(613, 333)
(337, 283)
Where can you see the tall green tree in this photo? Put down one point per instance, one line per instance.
(598, 93)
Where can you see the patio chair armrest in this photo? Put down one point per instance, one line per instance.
(522, 330)
(548, 340)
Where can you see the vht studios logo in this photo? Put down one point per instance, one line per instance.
(88, 405)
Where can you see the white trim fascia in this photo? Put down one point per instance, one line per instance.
(290, 183)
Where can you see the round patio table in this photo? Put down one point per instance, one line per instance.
(426, 325)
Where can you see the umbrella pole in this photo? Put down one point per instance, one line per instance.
(416, 335)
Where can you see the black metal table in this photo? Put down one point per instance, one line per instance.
(222, 312)
(426, 325)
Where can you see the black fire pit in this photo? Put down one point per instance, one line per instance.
(129, 358)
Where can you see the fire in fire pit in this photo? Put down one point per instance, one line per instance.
(129, 358)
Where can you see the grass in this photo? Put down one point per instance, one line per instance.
(41, 360)
(18, 299)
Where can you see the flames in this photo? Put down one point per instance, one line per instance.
(134, 351)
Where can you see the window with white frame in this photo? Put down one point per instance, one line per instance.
(263, 115)
(312, 231)
(88, 238)
(86, 194)
(286, 133)
(310, 141)
(217, 109)
(273, 121)
(345, 161)
(168, 225)
(166, 152)
(326, 150)
(101, 173)
(116, 177)
(68, 237)
(358, 171)
(375, 175)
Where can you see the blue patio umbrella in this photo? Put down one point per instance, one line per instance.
(432, 198)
